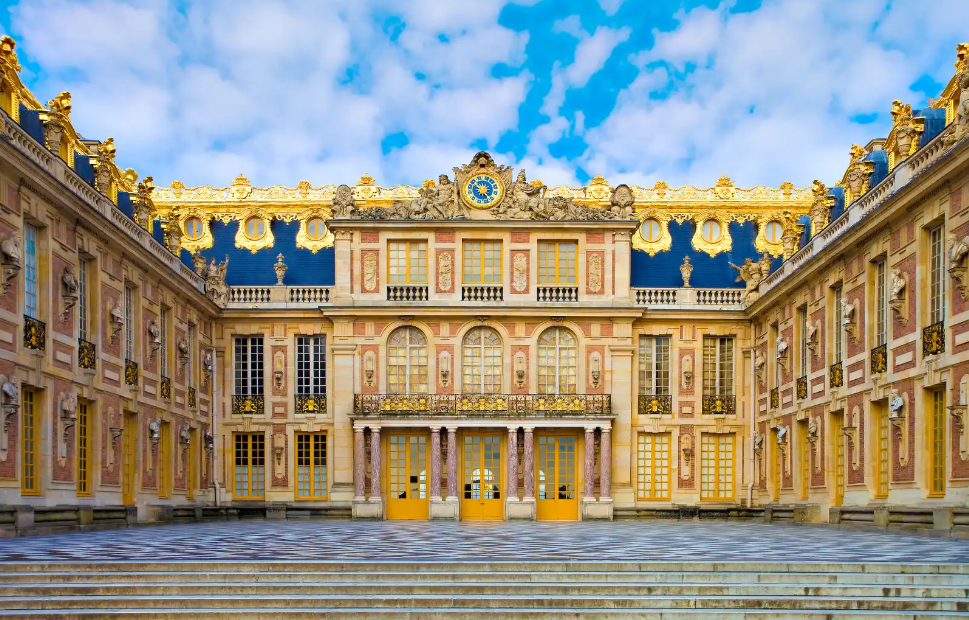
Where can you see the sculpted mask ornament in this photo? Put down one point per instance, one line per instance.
(621, 203)
(686, 269)
(215, 287)
(958, 250)
(750, 273)
(342, 205)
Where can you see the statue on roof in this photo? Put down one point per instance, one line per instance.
(750, 273)
(820, 207)
(215, 287)
(621, 203)
(342, 206)
(524, 201)
(859, 172)
(905, 128)
(960, 124)
(143, 206)
(104, 165)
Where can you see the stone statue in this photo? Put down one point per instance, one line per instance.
(144, 208)
(524, 201)
(789, 241)
(215, 287)
(759, 363)
(183, 347)
(280, 269)
(12, 252)
(154, 332)
(898, 286)
(750, 274)
(342, 205)
(781, 348)
(859, 172)
(895, 404)
(442, 202)
(104, 165)
(957, 249)
(621, 203)
(685, 270)
(198, 262)
(69, 282)
(820, 209)
(207, 363)
(765, 263)
(847, 312)
(960, 124)
(154, 430)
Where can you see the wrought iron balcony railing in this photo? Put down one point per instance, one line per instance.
(775, 398)
(166, 388)
(407, 293)
(879, 359)
(35, 334)
(568, 294)
(719, 404)
(836, 375)
(311, 404)
(87, 355)
(248, 404)
(655, 404)
(130, 372)
(802, 388)
(539, 405)
(933, 339)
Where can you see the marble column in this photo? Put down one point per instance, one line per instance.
(374, 463)
(590, 464)
(605, 465)
(359, 459)
(452, 463)
(512, 464)
(435, 464)
(528, 464)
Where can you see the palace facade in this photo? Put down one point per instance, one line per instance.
(483, 346)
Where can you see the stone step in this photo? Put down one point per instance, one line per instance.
(480, 589)
(162, 577)
(474, 614)
(65, 604)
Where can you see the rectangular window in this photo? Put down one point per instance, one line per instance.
(653, 467)
(654, 365)
(190, 473)
(190, 364)
(937, 445)
(881, 303)
(29, 484)
(557, 262)
(164, 459)
(837, 330)
(777, 467)
(772, 343)
(311, 365)
(802, 322)
(482, 262)
(839, 458)
(165, 322)
(407, 262)
(883, 450)
(717, 365)
(311, 465)
(249, 366)
(83, 451)
(129, 325)
(805, 460)
(31, 273)
(936, 277)
(82, 302)
(250, 466)
(716, 467)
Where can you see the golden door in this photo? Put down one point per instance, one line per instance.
(406, 469)
(481, 478)
(128, 442)
(556, 492)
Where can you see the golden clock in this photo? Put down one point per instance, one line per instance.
(482, 190)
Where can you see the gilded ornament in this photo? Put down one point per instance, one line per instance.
(303, 238)
(903, 140)
(240, 188)
(658, 240)
(711, 234)
(820, 207)
(201, 241)
(857, 176)
(255, 231)
(482, 183)
(686, 269)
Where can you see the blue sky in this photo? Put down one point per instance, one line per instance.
(637, 90)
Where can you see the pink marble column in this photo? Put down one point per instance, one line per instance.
(513, 464)
(605, 465)
(374, 463)
(528, 464)
(435, 464)
(452, 463)
(359, 460)
(590, 463)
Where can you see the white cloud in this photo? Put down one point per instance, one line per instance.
(611, 7)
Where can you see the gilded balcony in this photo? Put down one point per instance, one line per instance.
(775, 398)
(248, 404)
(166, 388)
(802, 388)
(879, 359)
(130, 372)
(655, 404)
(193, 401)
(35, 334)
(311, 404)
(719, 404)
(836, 375)
(87, 354)
(483, 405)
(933, 339)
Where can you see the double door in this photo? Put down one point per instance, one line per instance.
(482, 482)
(556, 482)
(407, 476)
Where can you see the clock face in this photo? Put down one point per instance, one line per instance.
(482, 191)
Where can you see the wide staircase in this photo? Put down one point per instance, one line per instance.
(430, 590)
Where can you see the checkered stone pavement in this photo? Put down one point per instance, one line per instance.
(446, 541)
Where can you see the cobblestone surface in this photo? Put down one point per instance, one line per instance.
(356, 540)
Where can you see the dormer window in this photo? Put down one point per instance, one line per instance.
(194, 228)
(255, 228)
(315, 229)
(652, 230)
(711, 231)
(773, 232)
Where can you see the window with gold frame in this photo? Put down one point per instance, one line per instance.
(558, 354)
(937, 445)
(250, 466)
(557, 262)
(407, 361)
(311, 466)
(482, 354)
(407, 262)
(653, 466)
(482, 262)
(883, 463)
(29, 478)
(83, 451)
(716, 467)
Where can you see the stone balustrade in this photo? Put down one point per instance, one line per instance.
(682, 298)
(278, 297)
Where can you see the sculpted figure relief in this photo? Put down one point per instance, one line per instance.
(820, 209)
(750, 273)
(960, 126)
(215, 287)
(342, 205)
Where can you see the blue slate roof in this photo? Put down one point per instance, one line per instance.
(256, 269)
(30, 121)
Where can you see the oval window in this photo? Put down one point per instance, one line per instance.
(773, 232)
(315, 229)
(194, 228)
(711, 231)
(255, 228)
(652, 230)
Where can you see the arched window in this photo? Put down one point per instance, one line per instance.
(482, 361)
(558, 359)
(407, 361)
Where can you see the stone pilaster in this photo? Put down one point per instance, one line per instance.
(525, 509)
(512, 464)
(590, 465)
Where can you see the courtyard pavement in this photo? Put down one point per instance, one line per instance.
(500, 541)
